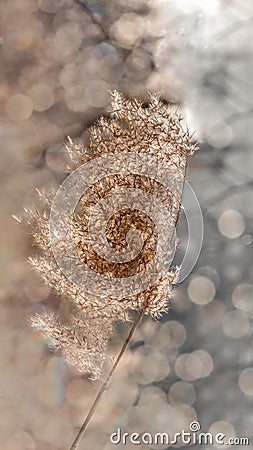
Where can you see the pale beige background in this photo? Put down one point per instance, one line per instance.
(57, 65)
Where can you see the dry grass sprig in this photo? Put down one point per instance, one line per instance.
(131, 128)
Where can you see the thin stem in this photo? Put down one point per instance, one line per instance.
(106, 382)
(93, 18)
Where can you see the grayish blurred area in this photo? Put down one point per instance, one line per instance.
(59, 59)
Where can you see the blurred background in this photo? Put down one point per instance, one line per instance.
(58, 61)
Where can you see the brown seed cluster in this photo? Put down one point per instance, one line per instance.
(157, 130)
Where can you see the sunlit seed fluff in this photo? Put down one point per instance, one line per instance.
(130, 127)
